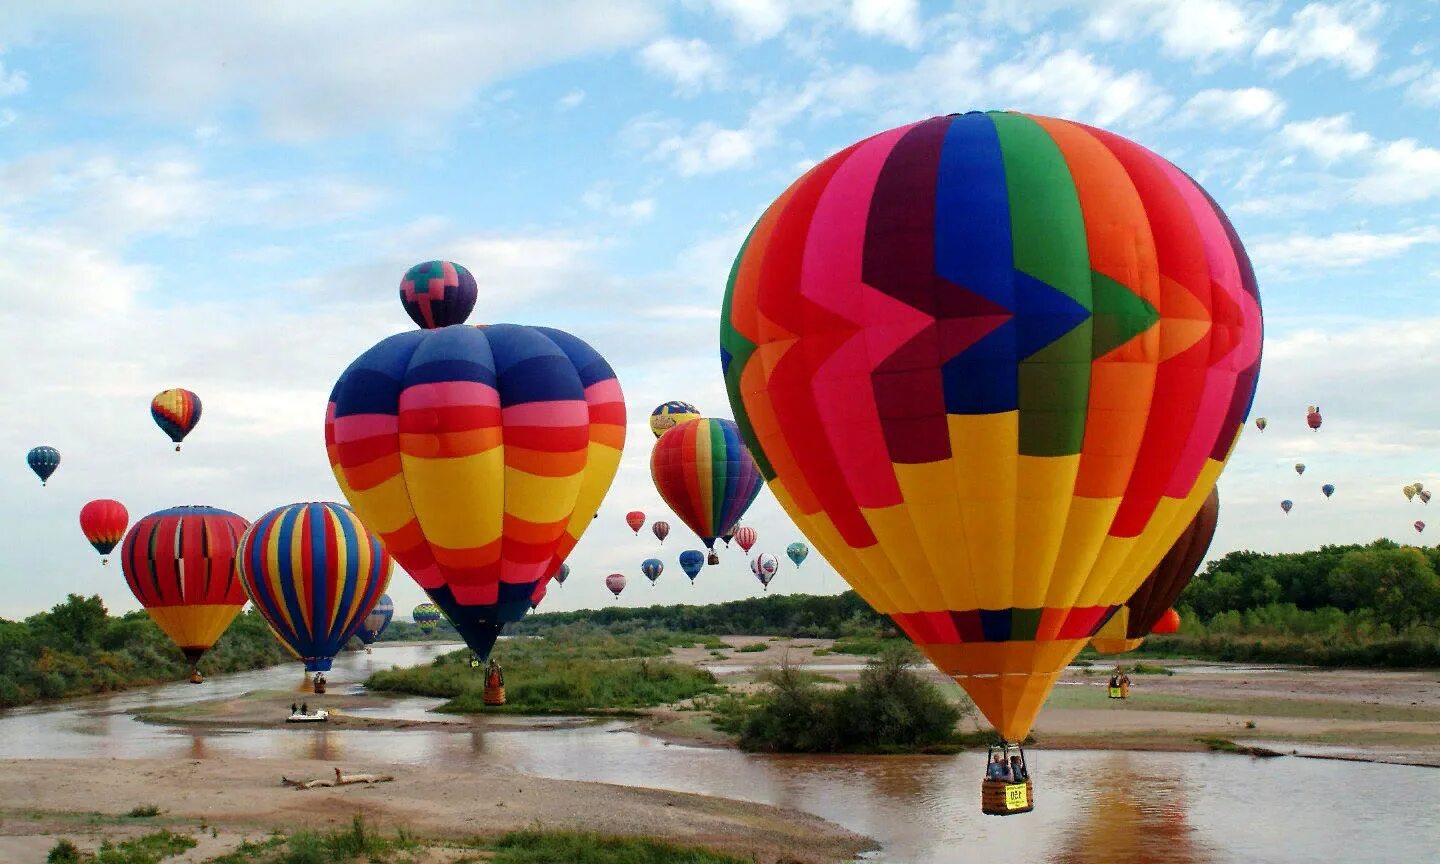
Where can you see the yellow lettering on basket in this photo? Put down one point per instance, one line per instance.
(1016, 796)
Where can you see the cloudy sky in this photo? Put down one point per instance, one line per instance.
(224, 196)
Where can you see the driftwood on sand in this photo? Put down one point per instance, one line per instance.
(340, 780)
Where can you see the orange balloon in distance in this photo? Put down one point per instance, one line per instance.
(992, 365)
(1168, 623)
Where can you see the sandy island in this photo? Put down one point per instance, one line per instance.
(1359, 714)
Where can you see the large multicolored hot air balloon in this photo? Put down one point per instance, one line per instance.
(691, 561)
(1131, 623)
(103, 523)
(652, 568)
(180, 565)
(616, 583)
(376, 620)
(992, 364)
(636, 520)
(43, 461)
(797, 552)
(745, 538)
(668, 415)
(706, 475)
(479, 455)
(764, 566)
(438, 293)
(176, 411)
(313, 572)
(661, 530)
(426, 616)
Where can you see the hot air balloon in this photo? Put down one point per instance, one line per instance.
(43, 461)
(764, 567)
(1261, 423)
(1419, 526)
(313, 572)
(745, 538)
(1419, 487)
(706, 475)
(1140, 615)
(652, 568)
(438, 293)
(180, 565)
(479, 455)
(1424, 496)
(1312, 417)
(1410, 492)
(1328, 489)
(1168, 623)
(636, 520)
(661, 530)
(426, 617)
(797, 552)
(103, 523)
(176, 412)
(727, 538)
(376, 620)
(691, 560)
(991, 365)
(668, 415)
(1286, 505)
(616, 583)
(562, 574)
(1299, 467)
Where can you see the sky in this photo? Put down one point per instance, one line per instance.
(224, 197)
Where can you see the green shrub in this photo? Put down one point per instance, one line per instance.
(63, 852)
(535, 847)
(752, 648)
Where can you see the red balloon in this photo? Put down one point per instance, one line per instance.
(661, 530)
(745, 538)
(103, 522)
(1168, 623)
(636, 520)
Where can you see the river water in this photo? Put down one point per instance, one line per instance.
(1091, 806)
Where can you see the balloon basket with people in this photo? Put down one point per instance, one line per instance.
(1006, 789)
(1119, 687)
(494, 694)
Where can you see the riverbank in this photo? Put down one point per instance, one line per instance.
(243, 798)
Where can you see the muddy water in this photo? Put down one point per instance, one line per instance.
(1116, 808)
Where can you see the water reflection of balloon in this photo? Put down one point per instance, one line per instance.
(992, 364)
(103, 522)
(480, 456)
(43, 461)
(180, 565)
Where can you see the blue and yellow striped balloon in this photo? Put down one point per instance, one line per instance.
(314, 572)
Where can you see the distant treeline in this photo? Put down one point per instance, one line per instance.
(804, 615)
(78, 648)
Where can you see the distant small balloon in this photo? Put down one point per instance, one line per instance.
(176, 411)
(1168, 623)
(1328, 489)
(1419, 526)
(652, 568)
(43, 461)
(562, 574)
(1409, 492)
(636, 520)
(764, 567)
(661, 530)
(797, 552)
(1312, 418)
(437, 294)
(1299, 467)
(745, 538)
(1261, 423)
(1424, 496)
(691, 560)
(616, 583)
(1286, 505)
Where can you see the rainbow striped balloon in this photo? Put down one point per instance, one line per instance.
(313, 572)
(480, 456)
(706, 475)
(992, 364)
(176, 412)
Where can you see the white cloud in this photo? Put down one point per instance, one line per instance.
(755, 20)
(1188, 29)
(895, 20)
(601, 199)
(1328, 138)
(1400, 172)
(1333, 251)
(570, 100)
(1229, 108)
(1073, 84)
(690, 64)
(1425, 89)
(1336, 34)
(12, 83)
(314, 70)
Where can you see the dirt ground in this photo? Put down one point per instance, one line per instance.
(86, 799)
